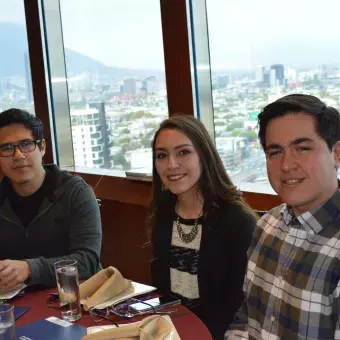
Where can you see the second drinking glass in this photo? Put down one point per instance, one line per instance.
(7, 327)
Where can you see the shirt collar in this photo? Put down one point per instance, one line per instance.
(317, 218)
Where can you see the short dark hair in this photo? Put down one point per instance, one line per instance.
(327, 118)
(18, 116)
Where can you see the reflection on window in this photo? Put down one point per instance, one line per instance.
(116, 80)
(15, 73)
(276, 51)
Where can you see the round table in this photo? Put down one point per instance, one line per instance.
(188, 325)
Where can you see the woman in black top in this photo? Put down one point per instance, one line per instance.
(201, 228)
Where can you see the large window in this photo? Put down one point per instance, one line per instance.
(15, 74)
(262, 50)
(115, 80)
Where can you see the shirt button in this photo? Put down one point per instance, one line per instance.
(272, 318)
(311, 232)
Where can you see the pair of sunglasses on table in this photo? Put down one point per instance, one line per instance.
(124, 309)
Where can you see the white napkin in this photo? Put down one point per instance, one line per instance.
(15, 291)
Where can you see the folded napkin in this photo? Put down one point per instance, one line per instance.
(15, 291)
(154, 327)
(102, 286)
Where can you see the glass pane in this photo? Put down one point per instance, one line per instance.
(15, 73)
(116, 80)
(260, 51)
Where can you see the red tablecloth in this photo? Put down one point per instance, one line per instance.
(188, 326)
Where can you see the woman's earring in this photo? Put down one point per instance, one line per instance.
(163, 187)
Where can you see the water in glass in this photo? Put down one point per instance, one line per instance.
(7, 326)
(7, 331)
(68, 287)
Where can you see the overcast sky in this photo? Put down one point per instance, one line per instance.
(243, 33)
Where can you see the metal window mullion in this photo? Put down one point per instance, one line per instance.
(55, 61)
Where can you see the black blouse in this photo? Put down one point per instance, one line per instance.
(226, 237)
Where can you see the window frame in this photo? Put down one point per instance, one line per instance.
(38, 75)
(176, 44)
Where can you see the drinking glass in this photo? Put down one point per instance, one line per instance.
(7, 325)
(68, 288)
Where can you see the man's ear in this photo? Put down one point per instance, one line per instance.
(43, 147)
(336, 155)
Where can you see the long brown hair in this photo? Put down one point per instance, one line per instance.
(215, 184)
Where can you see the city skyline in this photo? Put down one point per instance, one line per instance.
(114, 118)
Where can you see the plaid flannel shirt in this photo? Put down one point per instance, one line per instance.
(292, 283)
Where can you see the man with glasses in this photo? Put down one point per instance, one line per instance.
(45, 214)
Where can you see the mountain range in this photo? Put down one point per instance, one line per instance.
(14, 47)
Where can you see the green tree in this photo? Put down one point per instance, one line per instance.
(235, 125)
(124, 140)
(251, 135)
(119, 159)
(237, 133)
(138, 114)
(125, 131)
(152, 125)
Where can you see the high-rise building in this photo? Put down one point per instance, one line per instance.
(139, 86)
(222, 81)
(91, 137)
(259, 76)
(324, 71)
(272, 78)
(130, 86)
(266, 78)
(291, 75)
(105, 131)
(151, 85)
(279, 73)
(231, 150)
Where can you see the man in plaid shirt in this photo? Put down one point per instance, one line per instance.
(292, 283)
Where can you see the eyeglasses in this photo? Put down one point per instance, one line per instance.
(7, 150)
(124, 309)
(98, 315)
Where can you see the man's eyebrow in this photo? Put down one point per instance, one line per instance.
(273, 146)
(176, 147)
(298, 141)
(17, 142)
(295, 142)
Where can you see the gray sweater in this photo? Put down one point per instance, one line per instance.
(67, 226)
